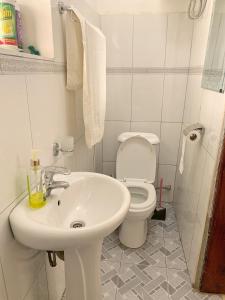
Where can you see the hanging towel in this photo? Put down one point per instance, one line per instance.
(94, 78)
(74, 52)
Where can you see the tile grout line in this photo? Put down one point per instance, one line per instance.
(132, 75)
(134, 121)
(28, 109)
(182, 120)
(6, 291)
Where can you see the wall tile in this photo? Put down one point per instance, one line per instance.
(170, 138)
(147, 97)
(179, 38)
(110, 144)
(189, 186)
(212, 118)
(21, 265)
(206, 188)
(58, 34)
(98, 158)
(52, 116)
(138, 7)
(149, 40)
(3, 295)
(152, 127)
(202, 210)
(216, 125)
(118, 30)
(168, 173)
(109, 168)
(76, 104)
(15, 138)
(193, 99)
(174, 97)
(195, 250)
(207, 106)
(119, 97)
(39, 290)
(83, 157)
(200, 39)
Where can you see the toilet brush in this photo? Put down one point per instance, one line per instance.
(160, 212)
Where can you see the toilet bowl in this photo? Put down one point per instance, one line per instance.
(133, 231)
(136, 168)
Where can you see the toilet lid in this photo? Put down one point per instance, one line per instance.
(136, 158)
(150, 137)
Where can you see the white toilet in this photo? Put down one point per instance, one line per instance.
(136, 168)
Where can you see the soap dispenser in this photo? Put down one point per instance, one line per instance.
(36, 196)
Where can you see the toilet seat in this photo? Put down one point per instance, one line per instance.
(150, 201)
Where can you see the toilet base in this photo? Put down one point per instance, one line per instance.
(133, 233)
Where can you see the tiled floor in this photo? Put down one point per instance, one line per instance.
(156, 271)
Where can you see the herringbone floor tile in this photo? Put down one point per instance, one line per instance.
(156, 271)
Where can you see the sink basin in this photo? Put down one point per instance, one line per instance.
(75, 220)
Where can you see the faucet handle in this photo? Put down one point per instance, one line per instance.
(50, 171)
(56, 170)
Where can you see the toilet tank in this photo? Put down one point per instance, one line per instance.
(136, 156)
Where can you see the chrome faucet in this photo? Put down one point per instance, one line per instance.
(50, 183)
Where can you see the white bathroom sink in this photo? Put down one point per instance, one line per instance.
(98, 202)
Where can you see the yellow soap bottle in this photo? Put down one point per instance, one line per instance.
(36, 196)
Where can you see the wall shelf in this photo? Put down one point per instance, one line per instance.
(37, 30)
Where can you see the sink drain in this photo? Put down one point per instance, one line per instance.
(77, 224)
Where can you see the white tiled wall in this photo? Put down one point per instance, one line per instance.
(141, 96)
(149, 40)
(194, 187)
(36, 110)
(119, 95)
(147, 97)
(118, 32)
(112, 130)
(174, 96)
(178, 40)
(138, 7)
(170, 138)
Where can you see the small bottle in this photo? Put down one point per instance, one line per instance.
(36, 196)
(19, 28)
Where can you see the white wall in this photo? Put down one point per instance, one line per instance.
(37, 26)
(36, 110)
(138, 6)
(194, 187)
(147, 57)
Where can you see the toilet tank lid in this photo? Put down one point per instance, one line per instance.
(150, 137)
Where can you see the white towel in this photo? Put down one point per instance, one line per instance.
(74, 52)
(94, 80)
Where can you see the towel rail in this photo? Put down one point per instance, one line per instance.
(63, 7)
